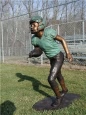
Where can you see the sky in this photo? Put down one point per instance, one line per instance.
(20, 9)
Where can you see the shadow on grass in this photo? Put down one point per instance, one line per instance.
(7, 108)
(35, 83)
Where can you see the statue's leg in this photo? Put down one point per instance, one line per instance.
(55, 88)
(62, 83)
(56, 63)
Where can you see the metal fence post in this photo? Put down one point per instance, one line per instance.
(58, 29)
(74, 36)
(83, 31)
(42, 59)
(2, 49)
(65, 35)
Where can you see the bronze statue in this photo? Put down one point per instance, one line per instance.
(45, 40)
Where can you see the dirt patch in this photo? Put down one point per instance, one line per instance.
(65, 65)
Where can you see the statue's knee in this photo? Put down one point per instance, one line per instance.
(50, 79)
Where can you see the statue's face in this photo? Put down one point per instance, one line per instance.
(34, 27)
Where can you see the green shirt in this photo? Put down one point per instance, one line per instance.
(47, 42)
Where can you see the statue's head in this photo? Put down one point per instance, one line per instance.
(39, 20)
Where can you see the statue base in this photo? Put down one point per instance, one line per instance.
(45, 104)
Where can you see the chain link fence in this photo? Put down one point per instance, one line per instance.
(75, 36)
(15, 36)
(15, 40)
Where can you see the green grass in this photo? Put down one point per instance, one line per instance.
(22, 86)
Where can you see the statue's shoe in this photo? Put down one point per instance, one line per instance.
(63, 92)
(57, 102)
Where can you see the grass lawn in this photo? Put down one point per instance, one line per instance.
(22, 86)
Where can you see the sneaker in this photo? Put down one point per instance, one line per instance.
(57, 102)
(63, 92)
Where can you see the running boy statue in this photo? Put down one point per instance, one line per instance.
(45, 40)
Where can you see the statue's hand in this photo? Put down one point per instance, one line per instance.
(69, 57)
